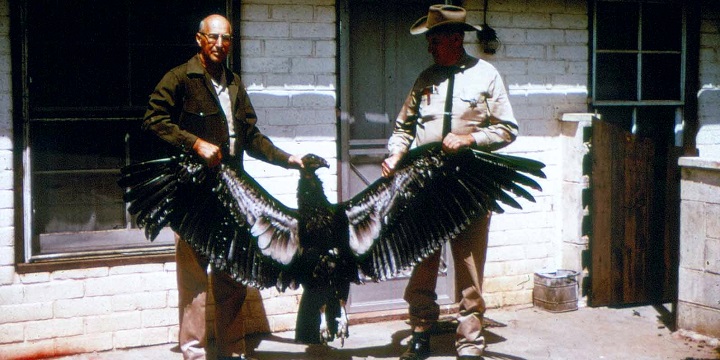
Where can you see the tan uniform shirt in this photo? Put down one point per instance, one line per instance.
(480, 107)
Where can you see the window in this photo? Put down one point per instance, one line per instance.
(638, 62)
(87, 70)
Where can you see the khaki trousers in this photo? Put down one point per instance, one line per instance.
(469, 250)
(226, 332)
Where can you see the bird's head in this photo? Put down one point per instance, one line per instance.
(312, 162)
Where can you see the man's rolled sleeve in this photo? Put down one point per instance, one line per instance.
(495, 136)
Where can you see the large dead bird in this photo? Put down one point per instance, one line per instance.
(386, 229)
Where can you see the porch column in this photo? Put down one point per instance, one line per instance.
(575, 135)
(699, 276)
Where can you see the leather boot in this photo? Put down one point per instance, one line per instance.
(419, 348)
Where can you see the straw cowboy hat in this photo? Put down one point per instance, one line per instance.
(440, 15)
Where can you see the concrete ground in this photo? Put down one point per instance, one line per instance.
(512, 334)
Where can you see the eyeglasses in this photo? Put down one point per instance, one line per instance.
(213, 38)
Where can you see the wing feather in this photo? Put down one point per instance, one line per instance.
(395, 223)
(226, 217)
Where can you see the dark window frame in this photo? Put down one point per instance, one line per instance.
(636, 101)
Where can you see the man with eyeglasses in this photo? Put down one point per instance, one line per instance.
(202, 107)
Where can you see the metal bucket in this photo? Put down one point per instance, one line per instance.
(556, 291)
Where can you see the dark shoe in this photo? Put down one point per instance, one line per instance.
(419, 348)
(469, 357)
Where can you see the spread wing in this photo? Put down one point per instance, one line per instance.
(396, 222)
(228, 218)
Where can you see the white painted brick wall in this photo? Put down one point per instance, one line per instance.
(86, 310)
(115, 321)
(13, 313)
(87, 343)
(87, 306)
(141, 337)
(12, 333)
(291, 80)
(159, 317)
(53, 328)
(699, 274)
(708, 138)
(288, 63)
(61, 289)
(544, 62)
(143, 301)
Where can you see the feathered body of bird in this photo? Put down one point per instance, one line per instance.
(379, 233)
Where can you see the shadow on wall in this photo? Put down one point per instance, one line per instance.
(538, 107)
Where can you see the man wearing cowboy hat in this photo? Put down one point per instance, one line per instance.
(461, 101)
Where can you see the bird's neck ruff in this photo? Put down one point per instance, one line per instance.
(310, 191)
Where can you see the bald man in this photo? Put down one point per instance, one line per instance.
(202, 107)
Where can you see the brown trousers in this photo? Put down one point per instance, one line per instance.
(469, 250)
(226, 322)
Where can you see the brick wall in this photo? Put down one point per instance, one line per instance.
(288, 65)
(699, 274)
(86, 310)
(544, 63)
(7, 254)
(708, 138)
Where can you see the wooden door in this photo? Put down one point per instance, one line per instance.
(379, 63)
(635, 210)
(643, 84)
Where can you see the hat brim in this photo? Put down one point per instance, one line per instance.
(421, 26)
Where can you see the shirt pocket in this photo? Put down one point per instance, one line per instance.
(203, 119)
(199, 108)
(432, 105)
